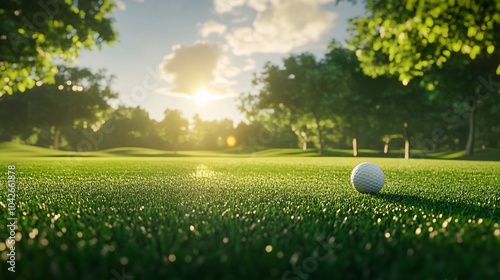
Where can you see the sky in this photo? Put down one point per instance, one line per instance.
(199, 56)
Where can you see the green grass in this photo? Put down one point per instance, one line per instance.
(89, 218)
(12, 150)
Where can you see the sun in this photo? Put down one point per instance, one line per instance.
(202, 96)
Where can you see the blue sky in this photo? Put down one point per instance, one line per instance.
(198, 56)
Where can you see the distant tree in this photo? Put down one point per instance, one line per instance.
(198, 133)
(355, 98)
(301, 92)
(263, 131)
(406, 38)
(78, 96)
(130, 127)
(210, 135)
(35, 34)
(173, 128)
(373, 108)
(279, 117)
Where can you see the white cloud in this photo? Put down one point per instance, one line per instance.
(229, 6)
(227, 69)
(120, 5)
(212, 27)
(258, 5)
(250, 65)
(202, 65)
(281, 26)
(226, 6)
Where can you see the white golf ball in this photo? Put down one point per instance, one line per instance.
(367, 177)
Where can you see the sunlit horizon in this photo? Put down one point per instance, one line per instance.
(206, 48)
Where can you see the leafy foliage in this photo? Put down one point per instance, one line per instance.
(34, 34)
(79, 97)
(301, 94)
(130, 127)
(406, 38)
(174, 128)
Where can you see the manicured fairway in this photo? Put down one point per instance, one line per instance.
(252, 218)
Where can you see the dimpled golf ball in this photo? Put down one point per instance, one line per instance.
(367, 177)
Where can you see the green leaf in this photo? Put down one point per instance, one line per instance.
(24, 73)
(465, 49)
(429, 21)
(436, 29)
(431, 38)
(21, 87)
(456, 46)
(471, 32)
(480, 36)
(30, 83)
(490, 49)
(474, 51)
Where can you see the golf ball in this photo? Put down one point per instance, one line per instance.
(367, 177)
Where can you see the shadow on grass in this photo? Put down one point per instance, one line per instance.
(441, 206)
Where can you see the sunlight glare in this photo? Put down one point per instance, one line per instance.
(231, 141)
(202, 96)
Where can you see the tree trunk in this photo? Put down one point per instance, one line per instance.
(355, 142)
(472, 129)
(320, 137)
(302, 136)
(407, 141)
(57, 135)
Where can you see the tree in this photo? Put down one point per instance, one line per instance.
(462, 84)
(354, 95)
(34, 34)
(406, 38)
(173, 128)
(261, 134)
(301, 92)
(78, 96)
(130, 127)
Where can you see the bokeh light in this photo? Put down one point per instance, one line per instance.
(231, 141)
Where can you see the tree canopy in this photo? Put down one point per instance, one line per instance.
(406, 38)
(174, 128)
(35, 34)
(78, 96)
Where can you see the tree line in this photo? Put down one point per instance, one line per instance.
(418, 74)
(332, 103)
(74, 114)
(303, 102)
